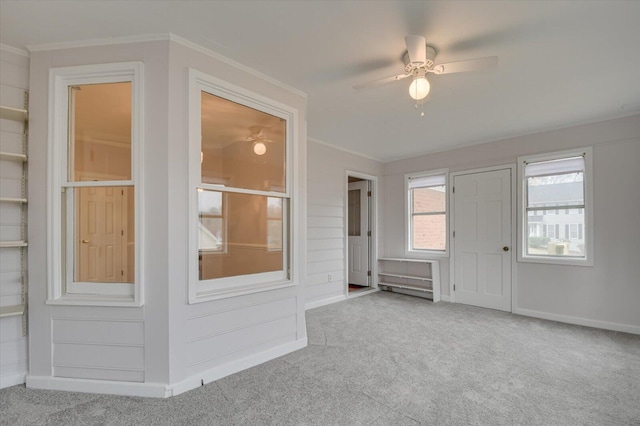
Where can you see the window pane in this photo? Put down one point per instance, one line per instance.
(429, 232)
(556, 190)
(252, 226)
(427, 200)
(100, 132)
(211, 227)
(354, 212)
(241, 147)
(555, 235)
(104, 237)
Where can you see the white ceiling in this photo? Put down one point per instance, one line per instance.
(561, 62)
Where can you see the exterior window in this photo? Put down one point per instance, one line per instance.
(241, 190)
(551, 184)
(427, 207)
(96, 112)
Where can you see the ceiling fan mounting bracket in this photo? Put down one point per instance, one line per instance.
(410, 67)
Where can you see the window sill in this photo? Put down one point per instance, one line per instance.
(94, 300)
(555, 261)
(207, 296)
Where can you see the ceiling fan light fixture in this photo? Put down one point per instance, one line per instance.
(420, 87)
(259, 148)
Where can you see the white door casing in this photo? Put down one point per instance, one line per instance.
(358, 233)
(482, 225)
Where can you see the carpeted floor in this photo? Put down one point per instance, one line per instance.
(388, 359)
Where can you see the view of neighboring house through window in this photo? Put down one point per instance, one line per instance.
(427, 206)
(555, 207)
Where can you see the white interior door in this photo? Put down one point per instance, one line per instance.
(358, 227)
(482, 241)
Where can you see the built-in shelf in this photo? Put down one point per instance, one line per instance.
(12, 200)
(11, 311)
(418, 275)
(12, 156)
(13, 243)
(11, 113)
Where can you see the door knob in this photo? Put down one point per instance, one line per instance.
(85, 241)
(505, 248)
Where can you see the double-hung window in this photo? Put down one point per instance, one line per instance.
(95, 144)
(550, 184)
(240, 183)
(427, 212)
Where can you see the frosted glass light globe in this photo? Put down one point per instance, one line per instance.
(419, 88)
(259, 148)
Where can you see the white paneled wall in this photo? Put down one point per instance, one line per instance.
(14, 81)
(326, 185)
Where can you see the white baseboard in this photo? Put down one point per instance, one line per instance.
(360, 293)
(12, 380)
(626, 328)
(227, 369)
(322, 302)
(150, 390)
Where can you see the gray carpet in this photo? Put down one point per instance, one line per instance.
(388, 359)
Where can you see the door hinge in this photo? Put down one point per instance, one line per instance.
(368, 193)
(368, 273)
(454, 287)
(454, 234)
(453, 189)
(121, 272)
(368, 233)
(122, 233)
(122, 192)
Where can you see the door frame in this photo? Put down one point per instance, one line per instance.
(514, 226)
(373, 224)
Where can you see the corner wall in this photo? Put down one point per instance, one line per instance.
(327, 183)
(604, 295)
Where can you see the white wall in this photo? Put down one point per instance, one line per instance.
(167, 346)
(212, 339)
(327, 183)
(14, 81)
(604, 295)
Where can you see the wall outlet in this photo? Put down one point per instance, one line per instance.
(329, 277)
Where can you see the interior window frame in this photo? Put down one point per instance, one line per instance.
(425, 253)
(62, 287)
(523, 256)
(218, 288)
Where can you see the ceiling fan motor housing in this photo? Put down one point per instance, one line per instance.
(410, 67)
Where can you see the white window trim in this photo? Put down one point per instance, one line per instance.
(206, 290)
(93, 294)
(426, 254)
(587, 152)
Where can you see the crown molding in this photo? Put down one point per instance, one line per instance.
(348, 151)
(15, 50)
(98, 42)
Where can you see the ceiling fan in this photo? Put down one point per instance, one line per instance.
(419, 61)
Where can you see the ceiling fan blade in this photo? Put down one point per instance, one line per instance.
(381, 81)
(417, 48)
(464, 66)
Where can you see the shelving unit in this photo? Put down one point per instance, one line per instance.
(20, 115)
(415, 275)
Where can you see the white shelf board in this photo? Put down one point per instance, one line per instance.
(12, 156)
(408, 287)
(11, 113)
(399, 259)
(12, 200)
(10, 311)
(411, 277)
(13, 243)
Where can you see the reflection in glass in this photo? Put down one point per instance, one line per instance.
(104, 237)
(240, 234)
(241, 146)
(100, 132)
